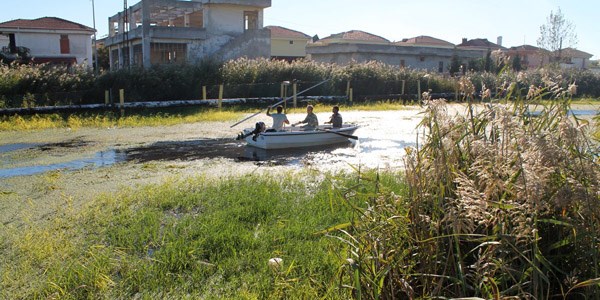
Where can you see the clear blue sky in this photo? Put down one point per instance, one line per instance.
(517, 21)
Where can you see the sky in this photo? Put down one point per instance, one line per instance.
(517, 21)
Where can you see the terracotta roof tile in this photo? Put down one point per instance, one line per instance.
(357, 35)
(425, 40)
(525, 48)
(282, 32)
(45, 23)
(480, 43)
(571, 52)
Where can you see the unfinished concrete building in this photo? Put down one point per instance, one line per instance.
(176, 32)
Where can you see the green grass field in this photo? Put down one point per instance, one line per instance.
(189, 239)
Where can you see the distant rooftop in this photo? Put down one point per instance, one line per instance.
(425, 40)
(479, 43)
(45, 23)
(282, 32)
(571, 52)
(355, 35)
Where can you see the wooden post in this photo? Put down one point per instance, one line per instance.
(106, 97)
(295, 91)
(122, 101)
(403, 84)
(203, 92)
(285, 88)
(350, 95)
(281, 91)
(219, 104)
(456, 92)
(348, 88)
(419, 90)
(403, 95)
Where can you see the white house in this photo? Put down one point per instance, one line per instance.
(176, 32)
(49, 39)
(570, 58)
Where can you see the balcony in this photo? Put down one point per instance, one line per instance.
(160, 32)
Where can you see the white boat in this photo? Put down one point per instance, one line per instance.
(295, 137)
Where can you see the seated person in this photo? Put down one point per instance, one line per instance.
(278, 119)
(311, 120)
(336, 119)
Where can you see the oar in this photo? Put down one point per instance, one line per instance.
(286, 99)
(342, 134)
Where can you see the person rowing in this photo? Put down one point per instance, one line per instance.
(279, 119)
(311, 120)
(336, 119)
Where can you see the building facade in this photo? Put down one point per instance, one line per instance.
(176, 32)
(287, 44)
(49, 40)
(570, 58)
(423, 52)
(531, 57)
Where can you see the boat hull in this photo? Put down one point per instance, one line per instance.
(297, 137)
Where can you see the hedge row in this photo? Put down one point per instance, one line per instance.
(25, 85)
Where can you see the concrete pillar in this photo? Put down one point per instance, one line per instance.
(131, 54)
(111, 59)
(186, 20)
(132, 21)
(121, 23)
(120, 55)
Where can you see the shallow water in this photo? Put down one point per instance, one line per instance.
(101, 159)
(383, 137)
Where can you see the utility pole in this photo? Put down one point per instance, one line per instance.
(126, 32)
(95, 42)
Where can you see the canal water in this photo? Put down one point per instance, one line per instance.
(382, 139)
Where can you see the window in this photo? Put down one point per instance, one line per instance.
(64, 44)
(422, 58)
(402, 63)
(291, 42)
(441, 67)
(250, 20)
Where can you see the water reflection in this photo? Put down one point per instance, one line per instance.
(15, 147)
(101, 159)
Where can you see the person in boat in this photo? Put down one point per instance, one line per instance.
(311, 120)
(336, 119)
(278, 119)
(258, 128)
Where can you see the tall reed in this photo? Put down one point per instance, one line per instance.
(503, 201)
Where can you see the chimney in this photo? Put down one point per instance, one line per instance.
(499, 41)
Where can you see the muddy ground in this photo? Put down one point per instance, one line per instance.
(37, 197)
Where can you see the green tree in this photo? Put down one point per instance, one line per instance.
(455, 64)
(516, 63)
(488, 63)
(103, 59)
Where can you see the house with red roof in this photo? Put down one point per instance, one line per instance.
(531, 57)
(288, 44)
(49, 40)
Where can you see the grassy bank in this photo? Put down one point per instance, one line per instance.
(190, 239)
(157, 117)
